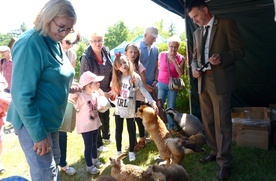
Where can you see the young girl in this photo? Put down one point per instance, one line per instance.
(132, 52)
(88, 121)
(125, 83)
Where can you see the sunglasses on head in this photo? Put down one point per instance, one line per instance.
(68, 42)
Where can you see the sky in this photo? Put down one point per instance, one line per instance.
(93, 15)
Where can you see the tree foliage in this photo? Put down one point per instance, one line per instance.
(134, 33)
(5, 39)
(172, 30)
(80, 48)
(17, 32)
(116, 35)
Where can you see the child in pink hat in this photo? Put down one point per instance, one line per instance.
(88, 120)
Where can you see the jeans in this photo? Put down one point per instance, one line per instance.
(63, 148)
(104, 131)
(163, 93)
(42, 168)
(90, 146)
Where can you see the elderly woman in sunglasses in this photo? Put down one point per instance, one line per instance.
(42, 76)
(67, 46)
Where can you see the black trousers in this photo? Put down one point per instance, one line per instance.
(104, 130)
(119, 131)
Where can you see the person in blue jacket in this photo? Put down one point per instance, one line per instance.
(41, 80)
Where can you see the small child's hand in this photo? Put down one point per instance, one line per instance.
(153, 105)
(108, 94)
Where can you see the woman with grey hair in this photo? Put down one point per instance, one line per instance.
(170, 63)
(42, 76)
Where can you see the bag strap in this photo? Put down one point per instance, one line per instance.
(168, 65)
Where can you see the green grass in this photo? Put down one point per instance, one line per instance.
(248, 163)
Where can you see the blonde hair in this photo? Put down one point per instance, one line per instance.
(96, 34)
(52, 9)
(117, 74)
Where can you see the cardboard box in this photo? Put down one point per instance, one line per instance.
(261, 113)
(253, 138)
(251, 126)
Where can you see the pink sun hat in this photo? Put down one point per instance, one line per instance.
(88, 77)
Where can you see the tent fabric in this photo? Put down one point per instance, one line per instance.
(120, 48)
(117, 49)
(256, 78)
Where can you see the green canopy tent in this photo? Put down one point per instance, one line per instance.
(256, 75)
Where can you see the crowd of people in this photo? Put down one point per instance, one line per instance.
(42, 63)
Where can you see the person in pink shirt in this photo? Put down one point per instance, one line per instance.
(6, 65)
(88, 120)
(3, 85)
(174, 62)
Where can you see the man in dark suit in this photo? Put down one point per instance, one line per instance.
(221, 49)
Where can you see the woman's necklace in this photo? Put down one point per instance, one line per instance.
(52, 53)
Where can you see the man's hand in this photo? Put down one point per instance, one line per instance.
(215, 59)
(196, 73)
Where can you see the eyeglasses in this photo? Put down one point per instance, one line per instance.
(96, 41)
(68, 42)
(173, 47)
(61, 29)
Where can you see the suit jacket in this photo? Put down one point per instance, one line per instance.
(224, 40)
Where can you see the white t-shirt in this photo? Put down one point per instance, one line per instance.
(125, 102)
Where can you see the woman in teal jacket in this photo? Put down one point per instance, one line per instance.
(41, 80)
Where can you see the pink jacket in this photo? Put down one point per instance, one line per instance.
(87, 114)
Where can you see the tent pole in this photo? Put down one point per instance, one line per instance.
(187, 56)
